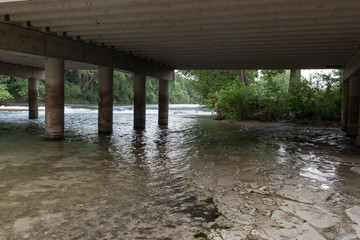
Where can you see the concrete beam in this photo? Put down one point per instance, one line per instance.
(197, 34)
(248, 14)
(52, 9)
(22, 12)
(353, 65)
(19, 39)
(326, 23)
(15, 70)
(300, 30)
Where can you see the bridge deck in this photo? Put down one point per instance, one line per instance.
(198, 34)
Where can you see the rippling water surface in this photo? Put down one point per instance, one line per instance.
(163, 182)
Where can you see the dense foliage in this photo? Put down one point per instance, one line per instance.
(82, 87)
(264, 97)
(267, 98)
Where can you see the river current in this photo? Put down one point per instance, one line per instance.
(195, 178)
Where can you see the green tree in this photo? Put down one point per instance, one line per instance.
(295, 78)
(18, 88)
(4, 93)
(123, 88)
(267, 98)
(208, 82)
(152, 90)
(81, 86)
(181, 91)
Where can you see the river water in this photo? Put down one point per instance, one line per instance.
(195, 178)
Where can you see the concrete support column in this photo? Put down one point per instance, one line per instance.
(33, 98)
(105, 101)
(357, 142)
(139, 101)
(54, 99)
(345, 104)
(163, 102)
(353, 110)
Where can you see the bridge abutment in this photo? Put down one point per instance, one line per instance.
(33, 98)
(105, 101)
(54, 99)
(139, 101)
(163, 102)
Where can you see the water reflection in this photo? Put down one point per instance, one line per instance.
(156, 183)
(138, 144)
(161, 140)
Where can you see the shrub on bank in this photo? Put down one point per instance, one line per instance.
(310, 101)
(237, 102)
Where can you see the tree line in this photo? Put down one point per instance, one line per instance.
(232, 94)
(269, 94)
(82, 87)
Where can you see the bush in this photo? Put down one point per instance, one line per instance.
(72, 91)
(237, 102)
(314, 100)
(4, 94)
(312, 103)
(274, 108)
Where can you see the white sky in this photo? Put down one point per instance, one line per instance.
(307, 72)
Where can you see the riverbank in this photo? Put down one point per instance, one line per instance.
(281, 124)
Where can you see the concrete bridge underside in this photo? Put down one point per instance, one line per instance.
(154, 37)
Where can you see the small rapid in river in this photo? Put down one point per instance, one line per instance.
(195, 178)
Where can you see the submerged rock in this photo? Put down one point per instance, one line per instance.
(355, 170)
(286, 220)
(302, 232)
(303, 194)
(354, 214)
(316, 216)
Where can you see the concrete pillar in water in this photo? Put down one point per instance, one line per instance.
(163, 102)
(139, 101)
(357, 142)
(353, 109)
(105, 101)
(345, 105)
(33, 98)
(54, 99)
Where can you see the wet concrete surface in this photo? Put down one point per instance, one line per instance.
(197, 178)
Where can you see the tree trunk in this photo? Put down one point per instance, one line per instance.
(243, 77)
(92, 86)
(295, 77)
(77, 76)
(86, 83)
